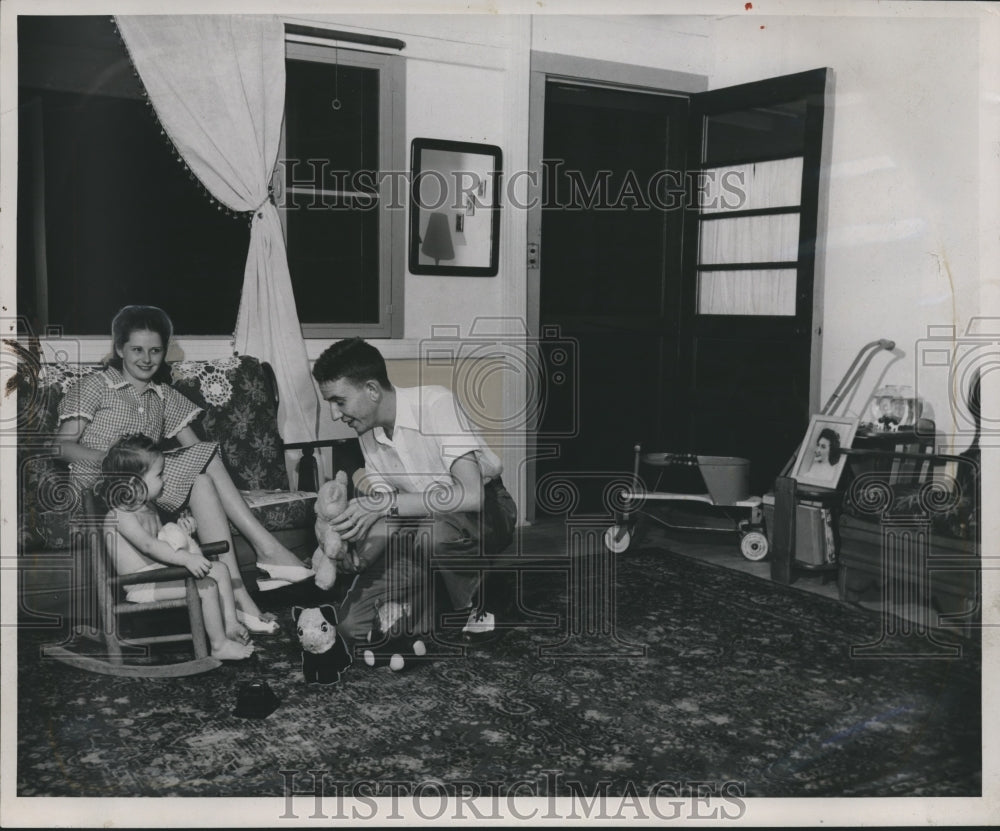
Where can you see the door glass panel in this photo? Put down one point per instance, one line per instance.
(770, 132)
(744, 187)
(750, 239)
(764, 292)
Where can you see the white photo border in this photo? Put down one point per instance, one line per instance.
(844, 427)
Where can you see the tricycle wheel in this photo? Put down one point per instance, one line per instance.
(617, 538)
(754, 546)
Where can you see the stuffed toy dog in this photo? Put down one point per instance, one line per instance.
(330, 502)
(388, 642)
(324, 654)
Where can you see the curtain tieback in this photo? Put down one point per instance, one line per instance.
(269, 198)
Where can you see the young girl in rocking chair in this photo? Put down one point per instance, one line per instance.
(132, 394)
(132, 481)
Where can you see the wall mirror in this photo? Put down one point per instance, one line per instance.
(454, 208)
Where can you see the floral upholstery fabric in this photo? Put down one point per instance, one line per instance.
(281, 510)
(46, 498)
(240, 414)
(951, 504)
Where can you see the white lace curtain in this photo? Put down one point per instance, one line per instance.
(768, 238)
(217, 83)
(750, 292)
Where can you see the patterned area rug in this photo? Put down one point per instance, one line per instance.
(705, 674)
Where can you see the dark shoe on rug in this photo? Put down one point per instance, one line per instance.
(256, 700)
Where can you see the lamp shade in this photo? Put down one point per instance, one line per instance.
(437, 239)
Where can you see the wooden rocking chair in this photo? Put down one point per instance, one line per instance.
(102, 611)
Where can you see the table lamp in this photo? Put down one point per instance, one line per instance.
(437, 239)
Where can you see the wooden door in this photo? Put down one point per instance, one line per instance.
(611, 275)
(750, 327)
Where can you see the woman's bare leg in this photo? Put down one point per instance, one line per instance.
(213, 526)
(268, 549)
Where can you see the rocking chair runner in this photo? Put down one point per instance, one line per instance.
(102, 614)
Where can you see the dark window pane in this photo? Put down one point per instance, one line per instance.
(120, 221)
(333, 260)
(344, 140)
(332, 241)
(124, 222)
(769, 132)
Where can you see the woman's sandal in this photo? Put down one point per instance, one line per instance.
(293, 574)
(271, 585)
(257, 626)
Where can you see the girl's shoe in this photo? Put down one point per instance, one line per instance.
(257, 626)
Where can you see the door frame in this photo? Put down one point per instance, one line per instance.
(546, 66)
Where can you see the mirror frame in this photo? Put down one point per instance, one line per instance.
(466, 205)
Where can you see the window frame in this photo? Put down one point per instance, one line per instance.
(392, 200)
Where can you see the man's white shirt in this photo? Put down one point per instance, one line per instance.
(430, 433)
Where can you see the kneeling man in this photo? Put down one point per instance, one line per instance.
(421, 462)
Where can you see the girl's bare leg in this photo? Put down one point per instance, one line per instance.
(235, 630)
(213, 526)
(223, 647)
(268, 549)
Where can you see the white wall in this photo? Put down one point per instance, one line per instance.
(902, 232)
(676, 42)
(449, 101)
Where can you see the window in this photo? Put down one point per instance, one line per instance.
(105, 214)
(341, 189)
(108, 216)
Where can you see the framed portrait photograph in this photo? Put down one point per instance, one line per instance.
(820, 461)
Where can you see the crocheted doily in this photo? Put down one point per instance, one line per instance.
(64, 374)
(211, 375)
